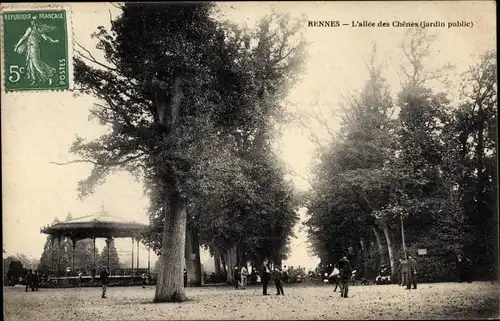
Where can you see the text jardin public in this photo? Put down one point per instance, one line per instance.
(385, 24)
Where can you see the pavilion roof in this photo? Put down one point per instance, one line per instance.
(100, 225)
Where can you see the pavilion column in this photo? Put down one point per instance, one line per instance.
(93, 262)
(53, 241)
(137, 254)
(73, 260)
(132, 256)
(58, 256)
(109, 242)
(149, 258)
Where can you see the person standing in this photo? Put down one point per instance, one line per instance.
(237, 276)
(265, 275)
(404, 270)
(412, 273)
(29, 279)
(185, 277)
(278, 276)
(335, 277)
(244, 277)
(80, 277)
(345, 269)
(36, 280)
(143, 280)
(104, 280)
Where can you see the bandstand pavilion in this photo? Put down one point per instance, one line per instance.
(100, 225)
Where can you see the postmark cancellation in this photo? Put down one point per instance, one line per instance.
(37, 52)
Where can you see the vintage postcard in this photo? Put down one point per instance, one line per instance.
(249, 160)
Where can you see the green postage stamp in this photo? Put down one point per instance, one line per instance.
(37, 48)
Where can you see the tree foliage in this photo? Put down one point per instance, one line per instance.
(109, 250)
(417, 162)
(173, 96)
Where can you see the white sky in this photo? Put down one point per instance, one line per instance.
(38, 128)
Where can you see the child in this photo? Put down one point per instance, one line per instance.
(278, 276)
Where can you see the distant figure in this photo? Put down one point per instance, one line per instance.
(412, 273)
(185, 277)
(335, 277)
(237, 276)
(464, 269)
(345, 268)
(144, 280)
(29, 279)
(265, 275)
(286, 276)
(244, 277)
(277, 277)
(80, 277)
(104, 280)
(36, 280)
(404, 269)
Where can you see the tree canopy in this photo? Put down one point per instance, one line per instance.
(414, 164)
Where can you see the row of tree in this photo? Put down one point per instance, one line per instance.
(192, 104)
(413, 172)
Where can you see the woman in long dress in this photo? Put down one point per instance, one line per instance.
(37, 71)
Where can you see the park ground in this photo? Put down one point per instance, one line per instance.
(429, 301)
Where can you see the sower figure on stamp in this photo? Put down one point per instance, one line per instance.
(265, 275)
(345, 268)
(37, 71)
(104, 280)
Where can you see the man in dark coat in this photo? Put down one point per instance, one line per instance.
(277, 277)
(265, 275)
(104, 280)
(185, 278)
(412, 273)
(345, 268)
(36, 280)
(404, 266)
(30, 280)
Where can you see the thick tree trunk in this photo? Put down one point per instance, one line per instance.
(230, 266)
(170, 285)
(389, 249)
(379, 246)
(188, 250)
(195, 246)
(364, 249)
(217, 263)
(223, 261)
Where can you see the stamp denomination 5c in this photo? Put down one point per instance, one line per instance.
(37, 49)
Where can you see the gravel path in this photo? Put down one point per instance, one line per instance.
(430, 301)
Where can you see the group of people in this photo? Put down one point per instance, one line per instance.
(267, 274)
(408, 272)
(32, 280)
(241, 276)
